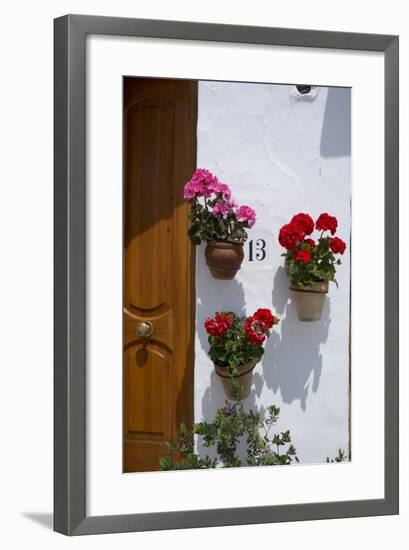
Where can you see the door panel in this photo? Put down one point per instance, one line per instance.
(149, 202)
(146, 416)
(160, 155)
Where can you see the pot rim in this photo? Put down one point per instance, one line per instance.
(224, 244)
(251, 363)
(302, 288)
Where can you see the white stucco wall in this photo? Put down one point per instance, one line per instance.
(282, 153)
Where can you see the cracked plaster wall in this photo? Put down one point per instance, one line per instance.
(282, 153)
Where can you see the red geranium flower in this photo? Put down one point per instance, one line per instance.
(325, 222)
(224, 319)
(219, 325)
(255, 337)
(254, 331)
(304, 221)
(265, 317)
(303, 256)
(213, 328)
(290, 235)
(337, 245)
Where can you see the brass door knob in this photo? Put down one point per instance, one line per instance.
(144, 329)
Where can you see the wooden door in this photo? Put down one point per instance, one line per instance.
(160, 118)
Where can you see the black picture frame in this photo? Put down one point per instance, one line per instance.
(70, 274)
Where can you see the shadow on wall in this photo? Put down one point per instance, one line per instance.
(336, 127)
(290, 360)
(224, 296)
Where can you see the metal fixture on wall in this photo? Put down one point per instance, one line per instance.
(303, 88)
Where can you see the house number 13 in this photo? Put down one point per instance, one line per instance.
(258, 251)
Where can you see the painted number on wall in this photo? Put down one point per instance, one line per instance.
(257, 250)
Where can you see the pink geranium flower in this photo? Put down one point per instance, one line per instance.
(202, 184)
(221, 189)
(210, 201)
(246, 214)
(192, 190)
(222, 208)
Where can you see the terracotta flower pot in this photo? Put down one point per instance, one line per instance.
(244, 377)
(310, 300)
(224, 259)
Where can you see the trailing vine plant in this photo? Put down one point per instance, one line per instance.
(231, 426)
(341, 457)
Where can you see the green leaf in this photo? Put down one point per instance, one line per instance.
(165, 463)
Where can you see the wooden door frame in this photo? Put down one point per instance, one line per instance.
(184, 409)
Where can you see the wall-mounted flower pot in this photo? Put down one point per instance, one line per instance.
(309, 301)
(244, 377)
(224, 259)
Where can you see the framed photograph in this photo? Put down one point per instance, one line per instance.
(226, 275)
